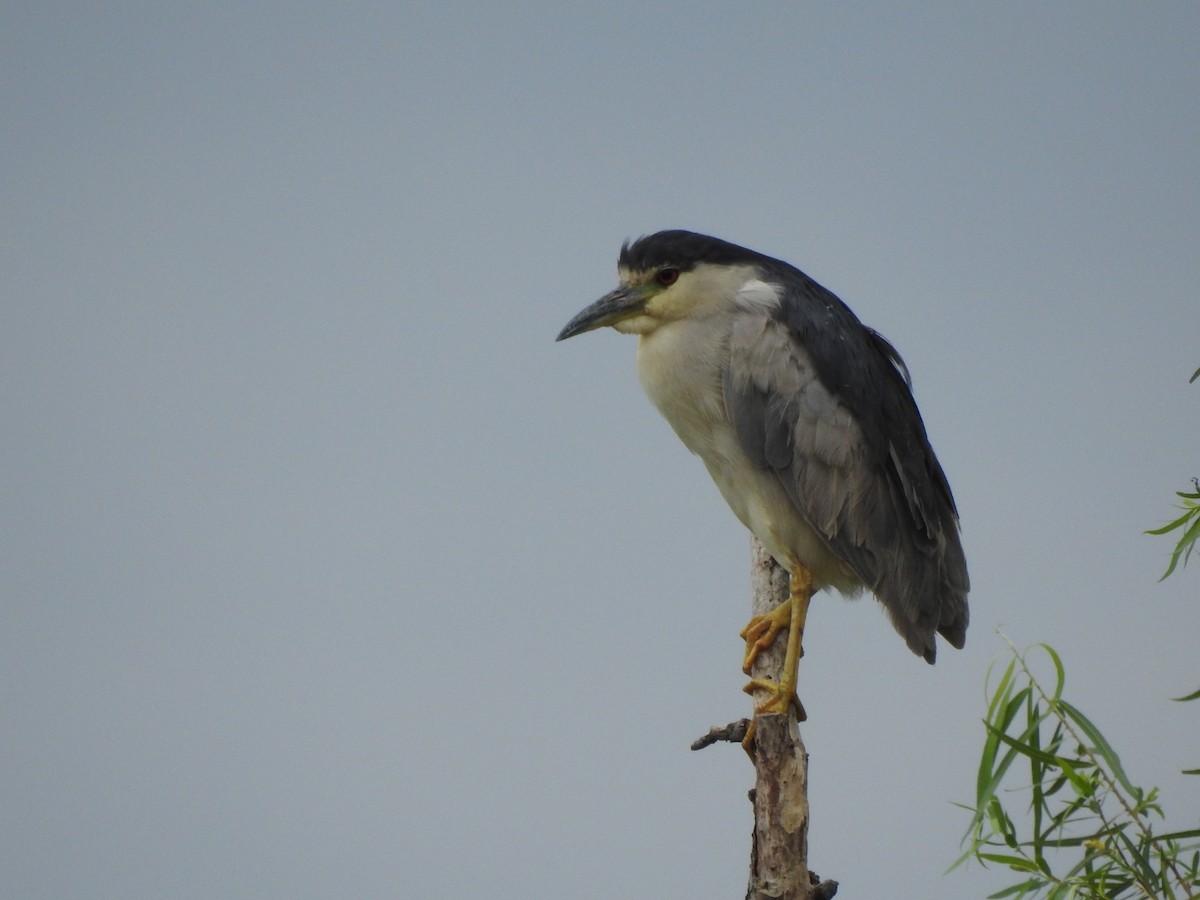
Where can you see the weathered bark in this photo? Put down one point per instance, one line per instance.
(779, 852)
(779, 847)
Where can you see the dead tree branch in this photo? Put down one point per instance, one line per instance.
(779, 845)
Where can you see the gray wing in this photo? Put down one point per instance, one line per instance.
(823, 402)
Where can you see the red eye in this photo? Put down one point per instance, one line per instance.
(667, 277)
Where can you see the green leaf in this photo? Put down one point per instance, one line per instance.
(1020, 890)
(1172, 525)
(1037, 773)
(1028, 750)
(1187, 543)
(1101, 745)
(1060, 672)
(1017, 863)
(1190, 536)
(1194, 695)
(967, 854)
(1085, 788)
(1178, 835)
(992, 773)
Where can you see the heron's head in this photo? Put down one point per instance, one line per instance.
(668, 276)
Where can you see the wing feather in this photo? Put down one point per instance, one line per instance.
(825, 404)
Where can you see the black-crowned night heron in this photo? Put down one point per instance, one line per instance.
(805, 420)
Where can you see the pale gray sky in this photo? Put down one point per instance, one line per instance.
(327, 573)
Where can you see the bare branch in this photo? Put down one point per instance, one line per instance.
(734, 733)
(779, 852)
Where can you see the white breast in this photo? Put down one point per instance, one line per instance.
(681, 367)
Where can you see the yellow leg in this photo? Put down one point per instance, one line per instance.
(761, 632)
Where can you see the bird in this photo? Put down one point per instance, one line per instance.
(805, 419)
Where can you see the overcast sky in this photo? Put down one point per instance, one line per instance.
(327, 573)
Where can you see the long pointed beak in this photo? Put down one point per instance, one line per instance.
(609, 309)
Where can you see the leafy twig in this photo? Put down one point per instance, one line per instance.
(1121, 857)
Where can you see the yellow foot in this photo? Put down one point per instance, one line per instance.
(761, 631)
(781, 700)
(748, 740)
